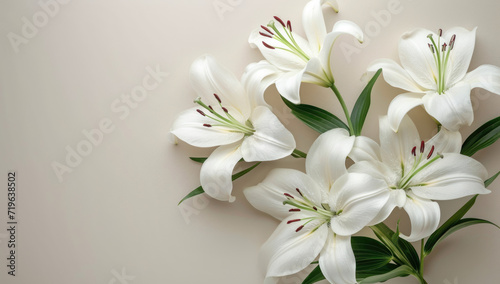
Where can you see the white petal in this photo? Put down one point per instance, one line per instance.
(270, 141)
(280, 56)
(417, 59)
(288, 85)
(397, 198)
(446, 141)
(453, 176)
(400, 106)
(396, 146)
(268, 196)
(314, 25)
(486, 77)
(325, 161)
(377, 170)
(216, 172)
(340, 28)
(424, 217)
(189, 128)
(395, 75)
(208, 78)
(461, 53)
(365, 149)
(332, 3)
(452, 109)
(337, 260)
(287, 252)
(257, 78)
(360, 198)
(315, 74)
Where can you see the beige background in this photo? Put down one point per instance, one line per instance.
(114, 218)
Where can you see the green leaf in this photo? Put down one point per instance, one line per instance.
(491, 180)
(437, 236)
(400, 271)
(360, 109)
(403, 252)
(199, 189)
(316, 118)
(463, 223)
(483, 137)
(315, 276)
(198, 159)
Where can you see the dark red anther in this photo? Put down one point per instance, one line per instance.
(431, 47)
(267, 30)
(267, 45)
(298, 190)
(414, 151)
(422, 146)
(452, 41)
(315, 209)
(299, 228)
(444, 47)
(289, 25)
(440, 32)
(430, 152)
(293, 221)
(200, 112)
(217, 98)
(294, 210)
(288, 195)
(225, 109)
(280, 20)
(210, 107)
(207, 125)
(266, 35)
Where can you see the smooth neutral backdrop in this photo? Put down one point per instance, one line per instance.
(112, 215)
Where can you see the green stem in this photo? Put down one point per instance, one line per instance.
(344, 108)
(420, 275)
(298, 154)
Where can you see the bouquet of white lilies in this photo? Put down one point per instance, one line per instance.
(350, 181)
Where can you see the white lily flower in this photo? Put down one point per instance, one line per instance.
(291, 59)
(319, 210)
(229, 117)
(416, 173)
(435, 74)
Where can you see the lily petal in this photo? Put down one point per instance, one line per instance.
(397, 198)
(365, 149)
(396, 146)
(288, 85)
(287, 252)
(325, 161)
(400, 106)
(337, 260)
(453, 176)
(314, 24)
(208, 78)
(257, 78)
(417, 59)
(216, 171)
(189, 127)
(461, 54)
(268, 196)
(424, 217)
(446, 141)
(359, 198)
(270, 141)
(486, 77)
(452, 109)
(395, 75)
(340, 28)
(376, 169)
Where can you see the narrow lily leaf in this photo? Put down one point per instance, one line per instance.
(441, 231)
(403, 252)
(483, 137)
(315, 276)
(491, 180)
(199, 189)
(463, 223)
(362, 105)
(400, 271)
(198, 159)
(316, 118)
